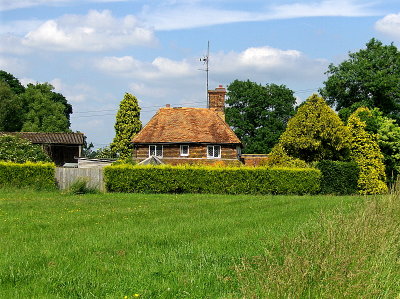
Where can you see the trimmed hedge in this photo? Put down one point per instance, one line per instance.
(235, 180)
(338, 177)
(34, 175)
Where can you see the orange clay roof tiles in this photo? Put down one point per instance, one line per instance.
(186, 125)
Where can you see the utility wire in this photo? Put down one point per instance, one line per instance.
(152, 108)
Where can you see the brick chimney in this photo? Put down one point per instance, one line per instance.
(216, 100)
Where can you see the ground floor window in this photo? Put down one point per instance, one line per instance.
(156, 150)
(185, 150)
(213, 151)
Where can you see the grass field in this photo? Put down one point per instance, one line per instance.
(54, 245)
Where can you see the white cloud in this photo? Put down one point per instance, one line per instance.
(17, 4)
(260, 64)
(125, 64)
(341, 8)
(12, 65)
(192, 14)
(96, 31)
(76, 93)
(159, 68)
(390, 26)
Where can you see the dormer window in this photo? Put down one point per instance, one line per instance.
(156, 150)
(213, 151)
(184, 150)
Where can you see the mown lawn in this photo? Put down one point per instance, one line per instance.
(54, 245)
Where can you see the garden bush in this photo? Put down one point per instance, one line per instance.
(196, 179)
(366, 153)
(33, 175)
(338, 177)
(19, 150)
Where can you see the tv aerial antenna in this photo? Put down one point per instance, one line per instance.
(206, 59)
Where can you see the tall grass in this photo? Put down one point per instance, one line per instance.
(346, 255)
(56, 245)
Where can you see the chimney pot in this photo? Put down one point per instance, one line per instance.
(168, 106)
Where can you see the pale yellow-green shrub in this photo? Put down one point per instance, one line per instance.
(365, 151)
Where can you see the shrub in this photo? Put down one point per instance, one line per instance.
(338, 177)
(19, 150)
(196, 179)
(366, 153)
(279, 158)
(35, 175)
(316, 133)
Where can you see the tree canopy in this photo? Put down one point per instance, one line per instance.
(36, 108)
(10, 109)
(369, 78)
(42, 113)
(13, 82)
(258, 114)
(316, 133)
(127, 125)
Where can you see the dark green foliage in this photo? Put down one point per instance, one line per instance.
(10, 109)
(19, 150)
(39, 176)
(338, 177)
(13, 82)
(36, 108)
(44, 110)
(258, 114)
(369, 78)
(181, 179)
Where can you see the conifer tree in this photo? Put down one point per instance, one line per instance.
(127, 125)
(316, 133)
(366, 153)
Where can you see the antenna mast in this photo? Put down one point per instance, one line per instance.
(205, 61)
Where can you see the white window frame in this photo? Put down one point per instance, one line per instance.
(182, 154)
(156, 147)
(213, 156)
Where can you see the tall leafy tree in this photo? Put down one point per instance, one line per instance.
(316, 133)
(10, 109)
(258, 114)
(127, 125)
(369, 78)
(13, 82)
(42, 113)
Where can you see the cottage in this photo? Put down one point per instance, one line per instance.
(189, 135)
(61, 147)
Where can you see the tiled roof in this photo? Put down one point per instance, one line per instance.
(186, 125)
(50, 138)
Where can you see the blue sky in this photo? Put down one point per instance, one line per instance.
(93, 51)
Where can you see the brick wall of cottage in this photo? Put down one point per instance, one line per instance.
(197, 154)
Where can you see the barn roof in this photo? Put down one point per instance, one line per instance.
(186, 125)
(50, 138)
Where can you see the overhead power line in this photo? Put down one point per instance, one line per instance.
(154, 107)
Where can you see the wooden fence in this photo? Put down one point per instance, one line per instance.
(67, 176)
